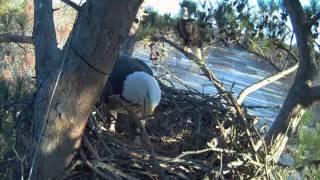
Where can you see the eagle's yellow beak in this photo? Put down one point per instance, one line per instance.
(148, 110)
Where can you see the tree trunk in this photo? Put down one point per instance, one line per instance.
(299, 97)
(69, 85)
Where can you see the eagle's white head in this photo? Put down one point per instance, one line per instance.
(184, 13)
(142, 89)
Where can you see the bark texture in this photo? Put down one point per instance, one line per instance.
(72, 4)
(87, 60)
(298, 98)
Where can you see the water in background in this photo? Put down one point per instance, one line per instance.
(231, 66)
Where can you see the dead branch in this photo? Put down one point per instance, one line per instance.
(178, 79)
(262, 83)
(21, 160)
(91, 148)
(263, 107)
(8, 38)
(96, 170)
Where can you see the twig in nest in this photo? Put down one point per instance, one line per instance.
(100, 138)
(96, 170)
(178, 80)
(112, 169)
(211, 148)
(70, 169)
(21, 160)
(91, 148)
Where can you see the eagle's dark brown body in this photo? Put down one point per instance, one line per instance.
(189, 31)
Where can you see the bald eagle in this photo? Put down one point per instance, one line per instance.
(189, 31)
(133, 80)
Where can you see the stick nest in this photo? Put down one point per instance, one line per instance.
(194, 136)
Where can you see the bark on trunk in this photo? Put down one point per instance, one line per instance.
(88, 59)
(298, 98)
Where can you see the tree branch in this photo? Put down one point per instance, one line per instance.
(315, 93)
(228, 97)
(45, 42)
(281, 46)
(72, 4)
(313, 19)
(7, 38)
(294, 106)
(260, 84)
(216, 82)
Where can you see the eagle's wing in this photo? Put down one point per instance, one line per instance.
(196, 38)
(190, 32)
(181, 30)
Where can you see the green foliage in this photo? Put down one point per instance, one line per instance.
(260, 45)
(4, 118)
(224, 15)
(307, 145)
(12, 14)
(272, 22)
(312, 8)
(22, 20)
(10, 91)
(306, 118)
(308, 141)
(145, 31)
(4, 6)
(154, 23)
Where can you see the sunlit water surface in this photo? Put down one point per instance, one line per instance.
(232, 67)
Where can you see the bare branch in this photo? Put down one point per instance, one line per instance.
(18, 104)
(72, 4)
(7, 38)
(260, 84)
(315, 42)
(197, 60)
